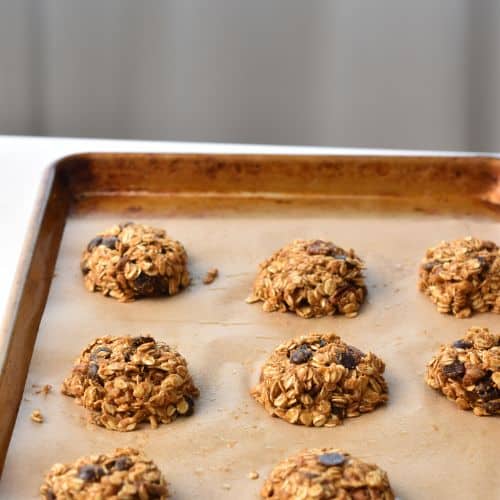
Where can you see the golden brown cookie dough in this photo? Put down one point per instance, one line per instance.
(327, 474)
(312, 278)
(122, 474)
(318, 380)
(468, 372)
(134, 260)
(124, 381)
(462, 276)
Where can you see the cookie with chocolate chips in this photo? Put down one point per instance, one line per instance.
(124, 381)
(327, 474)
(319, 380)
(124, 473)
(462, 277)
(311, 278)
(468, 372)
(133, 260)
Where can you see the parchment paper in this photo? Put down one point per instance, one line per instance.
(430, 449)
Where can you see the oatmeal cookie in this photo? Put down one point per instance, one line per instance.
(312, 278)
(133, 260)
(468, 372)
(318, 380)
(124, 473)
(327, 474)
(124, 381)
(462, 276)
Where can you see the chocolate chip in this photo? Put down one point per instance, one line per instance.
(92, 371)
(91, 473)
(331, 459)
(357, 353)
(94, 242)
(49, 495)
(84, 267)
(462, 344)
(339, 411)
(429, 266)
(320, 247)
(110, 242)
(455, 370)
(190, 402)
(137, 341)
(122, 463)
(483, 263)
(487, 391)
(492, 407)
(314, 390)
(301, 355)
(347, 359)
(322, 343)
(149, 285)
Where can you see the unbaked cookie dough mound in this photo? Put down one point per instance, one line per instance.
(122, 474)
(318, 380)
(134, 260)
(125, 381)
(327, 474)
(462, 276)
(312, 278)
(468, 372)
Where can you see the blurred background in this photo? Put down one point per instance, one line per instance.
(388, 73)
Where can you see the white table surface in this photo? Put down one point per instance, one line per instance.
(24, 160)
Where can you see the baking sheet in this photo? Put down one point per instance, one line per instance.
(429, 448)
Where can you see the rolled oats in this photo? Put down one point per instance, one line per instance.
(462, 276)
(134, 260)
(313, 278)
(210, 276)
(468, 372)
(324, 473)
(318, 380)
(37, 416)
(45, 389)
(124, 381)
(122, 474)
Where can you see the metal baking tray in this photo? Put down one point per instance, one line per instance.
(231, 212)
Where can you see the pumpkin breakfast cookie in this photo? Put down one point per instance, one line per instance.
(318, 380)
(125, 381)
(312, 278)
(134, 260)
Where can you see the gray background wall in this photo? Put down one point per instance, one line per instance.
(387, 73)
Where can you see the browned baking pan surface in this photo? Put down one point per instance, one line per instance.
(231, 212)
